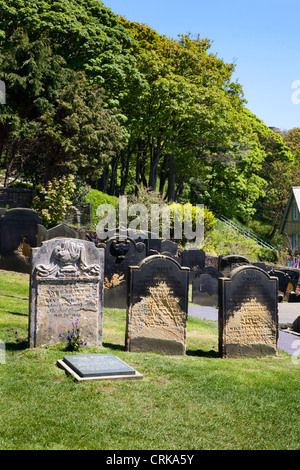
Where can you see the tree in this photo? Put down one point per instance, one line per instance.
(55, 121)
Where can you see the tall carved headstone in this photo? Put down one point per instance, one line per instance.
(248, 313)
(120, 253)
(66, 284)
(158, 306)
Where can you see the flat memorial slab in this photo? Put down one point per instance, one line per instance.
(97, 367)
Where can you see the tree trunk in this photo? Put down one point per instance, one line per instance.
(113, 180)
(171, 180)
(103, 180)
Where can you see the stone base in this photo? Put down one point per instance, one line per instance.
(156, 345)
(247, 350)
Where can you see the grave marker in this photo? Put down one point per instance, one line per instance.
(120, 253)
(97, 367)
(205, 287)
(66, 284)
(158, 306)
(18, 226)
(248, 313)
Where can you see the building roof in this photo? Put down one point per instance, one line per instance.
(295, 194)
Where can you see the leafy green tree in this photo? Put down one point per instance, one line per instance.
(55, 121)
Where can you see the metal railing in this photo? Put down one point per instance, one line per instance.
(246, 233)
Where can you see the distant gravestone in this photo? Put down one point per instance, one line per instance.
(283, 279)
(293, 297)
(230, 262)
(248, 313)
(193, 259)
(18, 226)
(169, 248)
(66, 284)
(158, 303)
(120, 253)
(59, 231)
(205, 287)
(294, 274)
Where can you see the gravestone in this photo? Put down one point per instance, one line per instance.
(248, 313)
(97, 367)
(18, 226)
(296, 325)
(59, 231)
(193, 259)
(152, 243)
(66, 284)
(120, 253)
(169, 248)
(230, 262)
(283, 279)
(158, 306)
(205, 287)
(293, 297)
(294, 274)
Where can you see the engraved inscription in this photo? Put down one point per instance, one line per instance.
(248, 320)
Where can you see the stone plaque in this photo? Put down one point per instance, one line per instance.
(248, 313)
(66, 285)
(101, 366)
(158, 305)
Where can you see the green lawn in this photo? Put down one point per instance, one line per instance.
(198, 401)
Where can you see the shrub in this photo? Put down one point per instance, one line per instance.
(53, 202)
(97, 198)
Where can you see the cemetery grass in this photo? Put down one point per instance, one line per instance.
(194, 402)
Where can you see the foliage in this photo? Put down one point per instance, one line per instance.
(97, 198)
(55, 200)
(55, 121)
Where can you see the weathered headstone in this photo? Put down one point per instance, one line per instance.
(293, 297)
(169, 248)
(66, 284)
(230, 262)
(59, 231)
(193, 259)
(294, 274)
(283, 279)
(158, 306)
(18, 226)
(205, 287)
(120, 253)
(248, 313)
(97, 367)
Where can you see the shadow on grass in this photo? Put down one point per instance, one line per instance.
(116, 347)
(201, 353)
(18, 313)
(17, 346)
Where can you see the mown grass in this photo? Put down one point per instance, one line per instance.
(194, 402)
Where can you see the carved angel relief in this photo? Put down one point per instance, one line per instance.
(68, 261)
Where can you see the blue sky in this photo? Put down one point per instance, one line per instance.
(262, 37)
